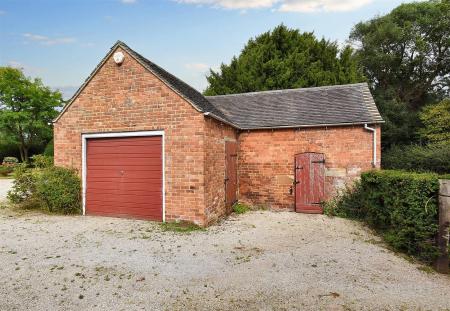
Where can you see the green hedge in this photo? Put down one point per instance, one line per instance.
(402, 206)
(431, 158)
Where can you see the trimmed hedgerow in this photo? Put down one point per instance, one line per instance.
(402, 206)
(431, 158)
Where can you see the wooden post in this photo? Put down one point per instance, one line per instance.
(442, 263)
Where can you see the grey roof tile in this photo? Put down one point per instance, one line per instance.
(328, 105)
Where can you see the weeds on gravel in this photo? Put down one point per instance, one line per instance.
(180, 227)
(240, 208)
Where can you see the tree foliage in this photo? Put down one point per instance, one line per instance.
(436, 120)
(27, 108)
(285, 58)
(406, 57)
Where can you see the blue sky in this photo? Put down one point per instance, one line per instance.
(61, 41)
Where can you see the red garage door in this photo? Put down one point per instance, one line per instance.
(124, 177)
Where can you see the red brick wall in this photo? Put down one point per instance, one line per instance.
(266, 160)
(216, 134)
(130, 98)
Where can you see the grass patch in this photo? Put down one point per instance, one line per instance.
(240, 208)
(181, 227)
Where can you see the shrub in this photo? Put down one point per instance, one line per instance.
(10, 161)
(42, 161)
(23, 190)
(347, 203)
(431, 158)
(402, 206)
(59, 189)
(6, 170)
(55, 189)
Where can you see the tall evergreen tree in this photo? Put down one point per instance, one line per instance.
(285, 58)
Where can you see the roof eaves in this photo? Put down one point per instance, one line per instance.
(309, 125)
(214, 116)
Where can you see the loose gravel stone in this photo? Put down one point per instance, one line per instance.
(256, 261)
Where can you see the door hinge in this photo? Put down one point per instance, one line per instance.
(321, 161)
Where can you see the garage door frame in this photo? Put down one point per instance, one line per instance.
(85, 137)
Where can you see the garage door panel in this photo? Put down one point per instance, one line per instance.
(140, 150)
(128, 142)
(131, 186)
(126, 168)
(156, 217)
(126, 205)
(119, 161)
(151, 198)
(101, 174)
(124, 177)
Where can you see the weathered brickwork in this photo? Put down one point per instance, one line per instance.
(266, 160)
(215, 136)
(129, 98)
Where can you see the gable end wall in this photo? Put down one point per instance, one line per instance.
(129, 98)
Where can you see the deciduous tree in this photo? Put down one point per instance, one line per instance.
(27, 108)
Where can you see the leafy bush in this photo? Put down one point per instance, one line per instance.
(431, 158)
(402, 206)
(5, 170)
(24, 187)
(55, 189)
(10, 161)
(42, 161)
(59, 189)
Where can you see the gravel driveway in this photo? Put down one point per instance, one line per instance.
(257, 261)
(5, 185)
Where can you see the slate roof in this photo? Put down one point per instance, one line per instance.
(330, 105)
(316, 106)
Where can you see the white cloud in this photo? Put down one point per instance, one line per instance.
(27, 69)
(304, 6)
(47, 40)
(197, 67)
(308, 6)
(128, 1)
(233, 4)
(2, 12)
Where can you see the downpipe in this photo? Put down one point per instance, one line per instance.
(374, 148)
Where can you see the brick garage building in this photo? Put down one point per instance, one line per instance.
(147, 145)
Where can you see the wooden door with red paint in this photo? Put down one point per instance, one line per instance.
(309, 182)
(231, 173)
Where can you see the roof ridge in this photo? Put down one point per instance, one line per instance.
(300, 89)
